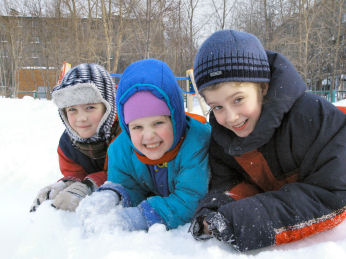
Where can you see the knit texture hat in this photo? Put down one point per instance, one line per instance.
(87, 84)
(144, 104)
(229, 55)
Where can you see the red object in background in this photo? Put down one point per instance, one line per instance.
(64, 69)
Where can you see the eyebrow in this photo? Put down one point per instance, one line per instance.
(228, 97)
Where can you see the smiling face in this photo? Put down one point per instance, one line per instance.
(152, 136)
(85, 118)
(236, 106)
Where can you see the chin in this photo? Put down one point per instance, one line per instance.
(154, 157)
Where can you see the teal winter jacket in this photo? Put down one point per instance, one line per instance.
(187, 176)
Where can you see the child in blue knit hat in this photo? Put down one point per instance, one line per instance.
(86, 103)
(158, 166)
(277, 154)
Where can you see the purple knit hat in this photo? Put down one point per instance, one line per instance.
(144, 104)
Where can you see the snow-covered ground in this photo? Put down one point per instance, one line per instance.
(30, 131)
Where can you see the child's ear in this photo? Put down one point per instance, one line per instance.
(264, 88)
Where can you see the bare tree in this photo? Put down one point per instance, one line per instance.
(108, 30)
(119, 35)
(12, 29)
(339, 33)
(192, 5)
(222, 10)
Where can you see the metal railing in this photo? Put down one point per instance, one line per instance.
(331, 96)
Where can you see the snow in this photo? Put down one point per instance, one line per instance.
(30, 131)
(340, 103)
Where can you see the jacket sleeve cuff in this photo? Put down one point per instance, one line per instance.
(119, 189)
(150, 215)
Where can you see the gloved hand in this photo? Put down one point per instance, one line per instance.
(221, 228)
(49, 192)
(213, 201)
(208, 205)
(69, 198)
(132, 219)
(197, 227)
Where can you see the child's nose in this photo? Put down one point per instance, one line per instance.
(148, 134)
(82, 116)
(231, 116)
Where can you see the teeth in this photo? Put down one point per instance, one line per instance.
(239, 125)
(153, 145)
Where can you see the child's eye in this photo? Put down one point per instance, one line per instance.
(136, 127)
(90, 107)
(238, 100)
(216, 108)
(70, 109)
(159, 123)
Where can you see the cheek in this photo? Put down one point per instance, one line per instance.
(167, 135)
(135, 138)
(220, 118)
(254, 111)
(70, 119)
(97, 117)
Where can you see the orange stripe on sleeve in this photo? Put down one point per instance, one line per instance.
(342, 108)
(303, 230)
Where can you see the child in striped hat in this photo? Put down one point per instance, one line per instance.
(86, 103)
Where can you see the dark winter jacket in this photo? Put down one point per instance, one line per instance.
(79, 166)
(287, 179)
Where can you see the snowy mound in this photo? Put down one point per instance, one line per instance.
(30, 131)
(340, 103)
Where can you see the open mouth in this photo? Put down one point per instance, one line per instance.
(240, 126)
(152, 146)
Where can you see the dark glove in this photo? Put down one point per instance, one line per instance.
(212, 202)
(221, 228)
(209, 204)
(197, 228)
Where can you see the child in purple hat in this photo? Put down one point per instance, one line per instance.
(158, 165)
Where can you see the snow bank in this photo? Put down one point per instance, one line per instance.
(340, 103)
(30, 131)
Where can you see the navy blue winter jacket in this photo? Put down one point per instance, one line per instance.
(287, 179)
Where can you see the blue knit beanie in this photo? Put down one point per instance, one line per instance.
(229, 55)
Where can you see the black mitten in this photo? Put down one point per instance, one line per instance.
(213, 201)
(197, 228)
(221, 228)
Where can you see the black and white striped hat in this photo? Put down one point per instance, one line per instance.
(84, 84)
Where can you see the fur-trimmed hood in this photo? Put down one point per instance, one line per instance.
(86, 84)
